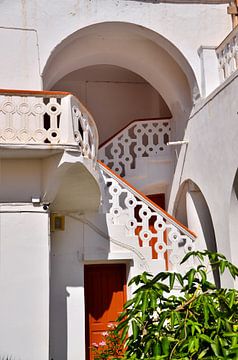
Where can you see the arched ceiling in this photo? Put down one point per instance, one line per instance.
(132, 47)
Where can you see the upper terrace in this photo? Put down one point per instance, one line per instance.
(227, 54)
(46, 120)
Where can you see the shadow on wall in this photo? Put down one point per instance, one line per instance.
(192, 210)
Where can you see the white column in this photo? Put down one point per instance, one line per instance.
(209, 69)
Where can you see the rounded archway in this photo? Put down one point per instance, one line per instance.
(136, 49)
(192, 210)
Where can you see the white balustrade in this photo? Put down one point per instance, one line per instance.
(140, 139)
(160, 237)
(227, 54)
(46, 118)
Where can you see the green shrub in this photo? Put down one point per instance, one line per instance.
(201, 322)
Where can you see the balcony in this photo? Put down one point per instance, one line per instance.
(53, 131)
(40, 120)
(227, 54)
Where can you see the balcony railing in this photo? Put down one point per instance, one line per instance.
(140, 139)
(160, 239)
(227, 54)
(46, 119)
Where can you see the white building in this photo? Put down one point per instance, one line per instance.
(72, 232)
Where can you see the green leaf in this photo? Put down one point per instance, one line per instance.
(138, 299)
(180, 278)
(165, 345)
(128, 303)
(124, 333)
(191, 275)
(171, 280)
(203, 353)
(206, 338)
(161, 320)
(186, 257)
(232, 299)
(157, 349)
(172, 319)
(122, 324)
(144, 304)
(215, 348)
(135, 329)
(153, 300)
(222, 266)
(203, 276)
(148, 346)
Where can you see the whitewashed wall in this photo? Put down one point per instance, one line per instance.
(203, 24)
(77, 245)
(24, 282)
(210, 160)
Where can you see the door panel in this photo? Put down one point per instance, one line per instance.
(105, 294)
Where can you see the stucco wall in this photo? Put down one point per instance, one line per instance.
(203, 24)
(24, 282)
(210, 159)
(77, 245)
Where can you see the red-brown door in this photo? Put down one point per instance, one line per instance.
(105, 294)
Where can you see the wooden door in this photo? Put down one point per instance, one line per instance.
(159, 199)
(105, 294)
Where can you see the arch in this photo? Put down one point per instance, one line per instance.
(132, 47)
(192, 209)
(111, 92)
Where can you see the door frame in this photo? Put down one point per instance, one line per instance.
(128, 263)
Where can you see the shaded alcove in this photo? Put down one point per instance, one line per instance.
(114, 95)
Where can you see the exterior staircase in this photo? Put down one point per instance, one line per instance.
(132, 218)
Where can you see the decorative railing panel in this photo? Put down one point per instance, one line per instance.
(227, 54)
(140, 139)
(30, 119)
(158, 235)
(46, 118)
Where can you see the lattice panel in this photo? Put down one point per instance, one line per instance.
(228, 56)
(141, 139)
(83, 132)
(29, 119)
(152, 231)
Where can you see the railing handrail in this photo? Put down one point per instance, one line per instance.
(128, 125)
(44, 93)
(222, 45)
(148, 202)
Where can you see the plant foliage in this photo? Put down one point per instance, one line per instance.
(201, 322)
